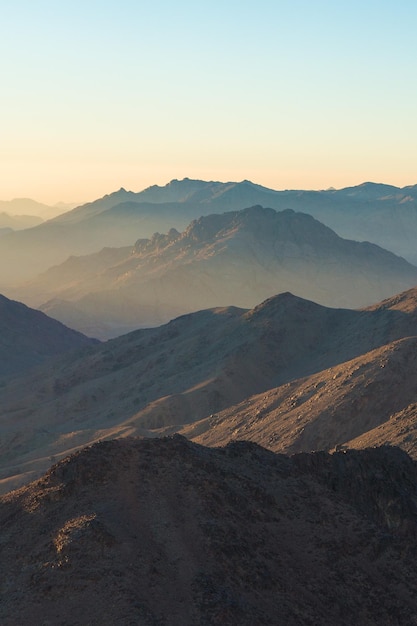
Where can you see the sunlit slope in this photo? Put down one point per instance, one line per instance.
(166, 379)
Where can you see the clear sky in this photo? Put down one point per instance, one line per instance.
(99, 94)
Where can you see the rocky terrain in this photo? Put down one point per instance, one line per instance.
(359, 403)
(166, 532)
(320, 376)
(238, 258)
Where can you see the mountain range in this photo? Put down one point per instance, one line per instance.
(251, 461)
(382, 214)
(164, 531)
(190, 375)
(239, 258)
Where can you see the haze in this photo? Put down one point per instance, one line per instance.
(100, 95)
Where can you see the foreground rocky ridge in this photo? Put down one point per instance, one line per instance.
(166, 532)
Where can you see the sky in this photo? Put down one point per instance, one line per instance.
(298, 94)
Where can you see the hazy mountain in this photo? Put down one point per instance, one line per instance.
(382, 214)
(34, 250)
(18, 222)
(168, 532)
(5, 231)
(28, 338)
(25, 207)
(183, 196)
(238, 258)
(164, 379)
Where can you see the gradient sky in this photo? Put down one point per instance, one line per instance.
(98, 94)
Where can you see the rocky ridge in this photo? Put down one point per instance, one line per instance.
(167, 532)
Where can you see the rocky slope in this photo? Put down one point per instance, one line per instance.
(237, 258)
(166, 379)
(370, 400)
(167, 532)
(364, 400)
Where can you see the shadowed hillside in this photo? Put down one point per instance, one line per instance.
(29, 338)
(167, 532)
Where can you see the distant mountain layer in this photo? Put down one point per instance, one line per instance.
(183, 375)
(25, 207)
(29, 338)
(382, 214)
(237, 258)
(18, 222)
(168, 532)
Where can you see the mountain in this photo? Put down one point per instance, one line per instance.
(359, 403)
(382, 214)
(238, 258)
(168, 532)
(18, 222)
(110, 221)
(29, 338)
(367, 401)
(162, 380)
(25, 207)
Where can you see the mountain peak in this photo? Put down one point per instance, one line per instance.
(284, 303)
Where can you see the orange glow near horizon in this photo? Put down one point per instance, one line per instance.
(51, 184)
(211, 95)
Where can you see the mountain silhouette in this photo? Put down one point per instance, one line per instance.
(382, 214)
(29, 338)
(237, 258)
